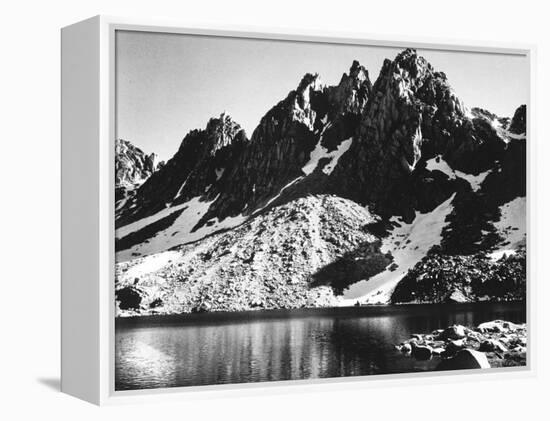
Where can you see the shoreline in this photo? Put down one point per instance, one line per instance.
(216, 317)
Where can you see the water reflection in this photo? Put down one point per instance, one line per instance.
(305, 344)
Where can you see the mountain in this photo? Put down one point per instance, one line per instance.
(342, 194)
(132, 168)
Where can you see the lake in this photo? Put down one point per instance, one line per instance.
(220, 348)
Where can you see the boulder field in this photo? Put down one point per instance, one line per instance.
(497, 343)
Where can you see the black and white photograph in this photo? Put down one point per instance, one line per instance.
(297, 210)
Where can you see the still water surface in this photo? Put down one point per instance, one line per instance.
(205, 349)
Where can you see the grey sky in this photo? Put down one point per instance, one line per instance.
(168, 84)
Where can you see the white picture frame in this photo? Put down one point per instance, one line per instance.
(88, 134)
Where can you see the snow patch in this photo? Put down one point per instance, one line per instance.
(143, 222)
(181, 187)
(408, 243)
(121, 204)
(405, 89)
(321, 152)
(151, 264)
(335, 156)
(417, 141)
(497, 255)
(230, 222)
(516, 136)
(468, 113)
(439, 164)
(505, 134)
(270, 201)
(219, 173)
(512, 224)
(475, 180)
(180, 232)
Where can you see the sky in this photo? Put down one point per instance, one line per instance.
(169, 84)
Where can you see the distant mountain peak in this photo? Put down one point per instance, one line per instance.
(133, 166)
(219, 132)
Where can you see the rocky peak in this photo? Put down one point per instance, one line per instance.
(409, 62)
(221, 132)
(300, 100)
(132, 168)
(154, 162)
(280, 146)
(132, 165)
(412, 114)
(203, 156)
(358, 72)
(518, 125)
(310, 81)
(404, 88)
(478, 112)
(353, 91)
(411, 78)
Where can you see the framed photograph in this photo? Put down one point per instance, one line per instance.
(245, 209)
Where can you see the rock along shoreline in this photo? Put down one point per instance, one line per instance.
(493, 344)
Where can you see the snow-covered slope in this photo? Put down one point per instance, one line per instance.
(180, 231)
(408, 244)
(512, 227)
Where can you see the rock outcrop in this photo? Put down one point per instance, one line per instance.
(441, 278)
(519, 121)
